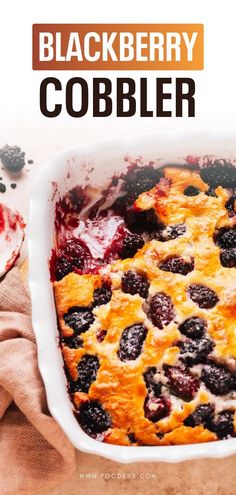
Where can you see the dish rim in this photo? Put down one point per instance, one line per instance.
(49, 355)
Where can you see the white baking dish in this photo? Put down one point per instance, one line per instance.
(64, 171)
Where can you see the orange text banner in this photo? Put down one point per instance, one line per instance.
(118, 47)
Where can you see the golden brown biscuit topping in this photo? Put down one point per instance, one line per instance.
(146, 301)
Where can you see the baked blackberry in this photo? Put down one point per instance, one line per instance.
(153, 386)
(135, 283)
(62, 268)
(69, 259)
(102, 295)
(217, 379)
(203, 296)
(228, 258)
(225, 238)
(93, 418)
(73, 342)
(79, 319)
(131, 342)
(194, 327)
(177, 264)
(161, 310)
(156, 408)
(223, 424)
(87, 369)
(138, 180)
(203, 414)
(181, 382)
(141, 221)
(131, 244)
(169, 232)
(195, 351)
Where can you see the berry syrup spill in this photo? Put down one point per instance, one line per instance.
(89, 237)
(11, 237)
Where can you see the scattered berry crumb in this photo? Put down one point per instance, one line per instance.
(30, 162)
(13, 185)
(2, 187)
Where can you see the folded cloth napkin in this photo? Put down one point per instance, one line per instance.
(34, 452)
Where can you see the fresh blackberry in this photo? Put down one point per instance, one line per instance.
(230, 206)
(193, 328)
(79, 319)
(161, 310)
(203, 296)
(181, 382)
(135, 283)
(203, 414)
(73, 341)
(224, 424)
(131, 244)
(217, 379)
(219, 174)
(152, 385)
(169, 232)
(156, 408)
(131, 342)
(87, 368)
(177, 264)
(102, 295)
(12, 157)
(225, 238)
(228, 258)
(195, 351)
(2, 188)
(92, 418)
(191, 191)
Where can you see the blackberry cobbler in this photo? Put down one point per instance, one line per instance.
(145, 290)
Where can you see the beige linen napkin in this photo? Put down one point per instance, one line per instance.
(34, 452)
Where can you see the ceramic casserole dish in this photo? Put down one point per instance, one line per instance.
(97, 163)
